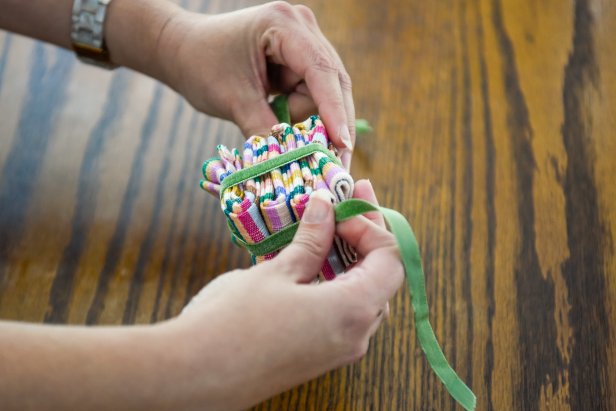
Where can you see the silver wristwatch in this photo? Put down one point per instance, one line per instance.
(87, 32)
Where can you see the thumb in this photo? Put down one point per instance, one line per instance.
(254, 117)
(313, 239)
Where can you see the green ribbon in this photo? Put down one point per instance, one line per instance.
(407, 243)
(280, 107)
(415, 279)
(268, 165)
(409, 251)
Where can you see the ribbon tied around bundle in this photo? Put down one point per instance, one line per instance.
(264, 192)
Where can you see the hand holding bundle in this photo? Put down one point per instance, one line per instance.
(263, 193)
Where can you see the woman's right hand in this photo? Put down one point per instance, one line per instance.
(253, 333)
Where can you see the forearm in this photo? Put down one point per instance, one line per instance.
(46, 20)
(61, 368)
(132, 28)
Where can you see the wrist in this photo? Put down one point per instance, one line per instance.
(199, 372)
(133, 33)
(214, 369)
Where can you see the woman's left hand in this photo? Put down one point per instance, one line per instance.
(228, 64)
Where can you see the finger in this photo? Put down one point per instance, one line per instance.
(372, 282)
(377, 277)
(364, 190)
(377, 322)
(307, 55)
(282, 79)
(302, 88)
(305, 255)
(347, 93)
(348, 138)
(254, 116)
(301, 106)
(345, 158)
(323, 83)
(344, 78)
(364, 235)
(379, 273)
(346, 86)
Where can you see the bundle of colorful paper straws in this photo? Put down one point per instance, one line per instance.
(262, 206)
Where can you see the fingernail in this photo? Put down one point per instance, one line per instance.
(345, 158)
(317, 208)
(345, 136)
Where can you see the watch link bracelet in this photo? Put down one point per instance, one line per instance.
(87, 32)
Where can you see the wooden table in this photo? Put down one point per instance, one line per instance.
(493, 133)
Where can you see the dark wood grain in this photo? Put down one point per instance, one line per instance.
(493, 133)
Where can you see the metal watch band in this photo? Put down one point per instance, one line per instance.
(87, 32)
